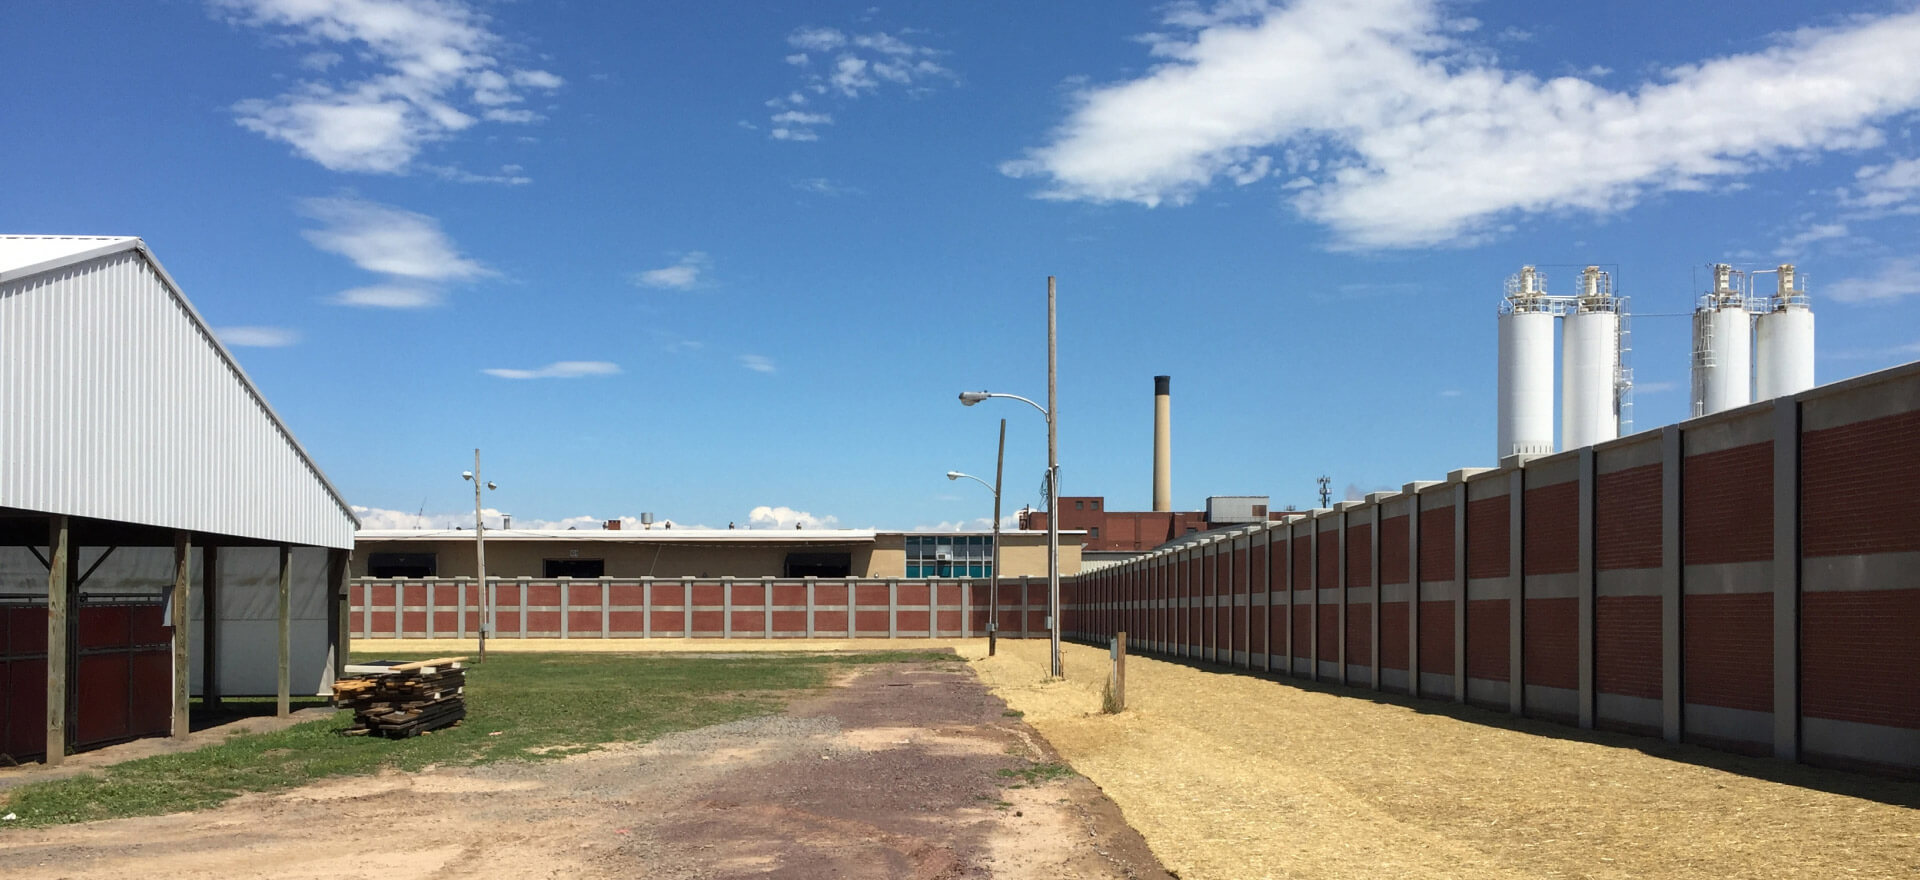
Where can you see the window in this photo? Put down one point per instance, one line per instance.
(1096, 504)
(402, 565)
(1094, 532)
(574, 568)
(825, 565)
(1079, 505)
(949, 556)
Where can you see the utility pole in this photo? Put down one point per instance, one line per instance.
(1326, 490)
(993, 590)
(480, 553)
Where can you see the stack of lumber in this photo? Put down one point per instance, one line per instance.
(403, 700)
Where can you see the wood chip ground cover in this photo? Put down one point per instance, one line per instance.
(1234, 777)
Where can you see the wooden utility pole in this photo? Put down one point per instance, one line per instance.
(1116, 700)
(993, 602)
(182, 624)
(58, 584)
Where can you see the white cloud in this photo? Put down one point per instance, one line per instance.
(385, 239)
(853, 66)
(977, 524)
(764, 517)
(1894, 280)
(1893, 188)
(385, 518)
(682, 275)
(758, 363)
(825, 187)
(1420, 139)
(390, 296)
(256, 337)
(509, 175)
(420, 60)
(1451, 392)
(1797, 242)
(558, 370)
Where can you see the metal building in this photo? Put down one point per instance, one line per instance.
(161, 531)
(1783, 336)
(1526, 367)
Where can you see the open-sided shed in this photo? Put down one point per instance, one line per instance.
(162, 533)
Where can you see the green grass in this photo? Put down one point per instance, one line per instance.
(1034, 774)
(521, 707)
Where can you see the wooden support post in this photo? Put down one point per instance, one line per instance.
(1116, 700)
(210, 626)
(59, 575)
(182, 633)
(340, 580)
(285, 681)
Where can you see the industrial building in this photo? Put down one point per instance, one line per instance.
(709, 553)
(162, 533)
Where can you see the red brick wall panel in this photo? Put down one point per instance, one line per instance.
(1436, 544)
(1360, 555)
(1551, 537)
(1359, 635)
(1436, 637)
(1393, 550)
(1302, 563)
(1488, 530)
(1393, 635)
(1329, 561)
(1626, 519)
(1860, 657)
(1550, 645)
(1488, 649)
(1626, 646)
(783, 621)
(1728, 650)
(1302, 631)
(1726, 505)
(1329, 633)
(1858, 483)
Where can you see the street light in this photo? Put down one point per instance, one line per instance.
(993, 594)
(480, 550)
(1051, 411)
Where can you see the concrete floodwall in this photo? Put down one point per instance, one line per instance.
(705, 608)
(1748, 580)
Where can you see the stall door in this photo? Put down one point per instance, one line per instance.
(23, 680)
(124, 672)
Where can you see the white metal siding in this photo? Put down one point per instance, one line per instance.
(116, 404)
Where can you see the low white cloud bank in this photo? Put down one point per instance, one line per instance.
(1396, 132)
(429, 69)
(383, 518)
(764, 517)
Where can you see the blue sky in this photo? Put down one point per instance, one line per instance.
(732, 262)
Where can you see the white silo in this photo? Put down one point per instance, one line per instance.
(1722, 346)
(1783, 341)
(1590, 364)
(1526, 367)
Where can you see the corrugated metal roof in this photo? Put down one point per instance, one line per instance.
(117, 402)
(627, 535)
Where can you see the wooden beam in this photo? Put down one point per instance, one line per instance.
(182, 632)
(209, 626)
(57, 611)
(286, 630)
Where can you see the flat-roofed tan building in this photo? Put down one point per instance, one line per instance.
(677, 553)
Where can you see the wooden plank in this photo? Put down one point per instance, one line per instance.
(284, 690)
(58, 575)
(182, 632)
(421, 664)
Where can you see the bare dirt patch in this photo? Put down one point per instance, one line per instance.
(1233, 776)
(895, 773)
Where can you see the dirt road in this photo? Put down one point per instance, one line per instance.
(895, 773)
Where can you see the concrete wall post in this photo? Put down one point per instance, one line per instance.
(1588, 589)
(1786, 579)
(1672, 459)
(1460, 495)
(1516, 590)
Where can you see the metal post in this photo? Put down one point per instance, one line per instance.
(1053, 482)
(993, 590)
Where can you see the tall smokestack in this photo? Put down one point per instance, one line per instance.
(1162, 445)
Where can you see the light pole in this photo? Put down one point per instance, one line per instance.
(993, 589)
(480, 551)
(1051, 411)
